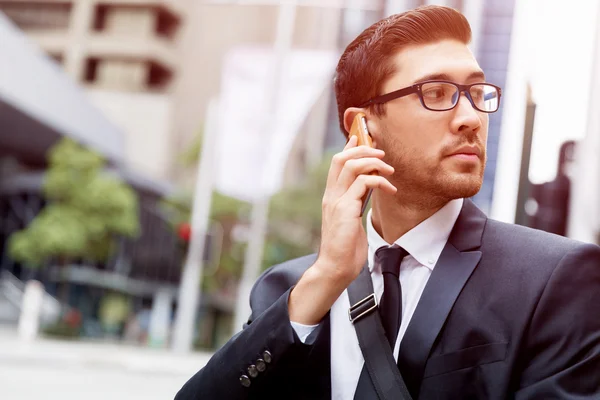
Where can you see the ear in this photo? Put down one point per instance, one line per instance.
(372, 122)
(349, 115)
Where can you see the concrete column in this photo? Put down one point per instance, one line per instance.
(81, 24)
(506, 186)
(31, 308)
(160, 319)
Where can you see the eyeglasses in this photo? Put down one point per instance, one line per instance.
(444, 95)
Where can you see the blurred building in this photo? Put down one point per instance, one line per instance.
(212, 29)
(153, 65)
(39, 105)
(124, 54)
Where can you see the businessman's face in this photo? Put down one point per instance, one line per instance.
(436, 154)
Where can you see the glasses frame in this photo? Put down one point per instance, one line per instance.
(416, 88)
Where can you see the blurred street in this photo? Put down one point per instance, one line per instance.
(65, 370)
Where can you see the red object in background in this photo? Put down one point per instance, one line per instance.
(73, 318)
(184, 231)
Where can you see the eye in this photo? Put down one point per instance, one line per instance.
(434, 92)
(477, 92)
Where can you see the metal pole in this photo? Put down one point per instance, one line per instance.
(524, 192)
(260, 209)
(191, 276)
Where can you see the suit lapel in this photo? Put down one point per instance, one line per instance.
(452, 271)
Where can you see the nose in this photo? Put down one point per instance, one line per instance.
(465, 119)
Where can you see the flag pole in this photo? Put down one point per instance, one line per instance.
(260, 208)
(191, 276)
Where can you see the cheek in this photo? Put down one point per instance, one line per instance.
(413, 133)
(426, 138)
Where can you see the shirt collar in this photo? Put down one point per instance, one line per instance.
(425, 241)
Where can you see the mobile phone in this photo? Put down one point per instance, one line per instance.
(359, 129)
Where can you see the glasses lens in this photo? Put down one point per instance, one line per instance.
(439, 96)
(485, 97)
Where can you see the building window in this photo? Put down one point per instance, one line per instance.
(167, 24)
(127, 75)
(38, 16)
(136, 20)
(159, 77)
(91, 68)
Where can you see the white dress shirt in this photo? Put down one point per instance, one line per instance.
(424, 244)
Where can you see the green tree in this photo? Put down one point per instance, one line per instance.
(295, 217)
(294, 221)
(86, 209)
(227, 213)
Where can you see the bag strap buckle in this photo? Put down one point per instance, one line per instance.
(362, 308)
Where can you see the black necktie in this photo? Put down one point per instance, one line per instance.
(390, 306)
(390, 309)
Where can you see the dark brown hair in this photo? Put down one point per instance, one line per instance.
(367, 62)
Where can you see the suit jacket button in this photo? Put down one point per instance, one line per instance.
(260, 365)
(267, 357)
(245, 381)
(252, 371)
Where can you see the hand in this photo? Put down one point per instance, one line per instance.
(343, 250)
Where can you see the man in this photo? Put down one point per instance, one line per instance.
(483, 309)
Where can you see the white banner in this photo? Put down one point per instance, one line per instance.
(254, 140)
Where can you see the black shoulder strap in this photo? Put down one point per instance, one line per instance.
(374, 345)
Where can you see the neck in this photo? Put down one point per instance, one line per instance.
(393, 216)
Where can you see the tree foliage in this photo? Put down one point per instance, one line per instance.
(294, 225)
(295, 218)
(226, 213)
(293, 229)
(86, 209)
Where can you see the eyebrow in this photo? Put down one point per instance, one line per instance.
(446, 77)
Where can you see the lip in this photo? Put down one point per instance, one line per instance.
(466, 152)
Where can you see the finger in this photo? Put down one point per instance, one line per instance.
(335, 168)
(355, 167)
(351, 142)
(365, 182)
(338, 160)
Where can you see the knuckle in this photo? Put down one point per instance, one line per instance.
(363, 179)
(380, 163)
(337, 159)
(352, 164)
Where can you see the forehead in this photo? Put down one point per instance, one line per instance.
(449, 57)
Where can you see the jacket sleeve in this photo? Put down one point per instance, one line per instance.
(268, 336)
(562, 356)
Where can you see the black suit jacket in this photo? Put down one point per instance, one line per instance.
(508, 312)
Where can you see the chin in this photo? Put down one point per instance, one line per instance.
(460, 186)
